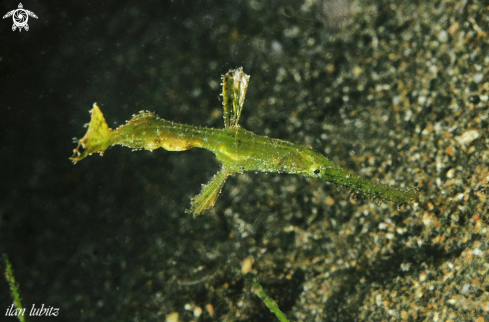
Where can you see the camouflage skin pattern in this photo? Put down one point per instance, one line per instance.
(237, 149)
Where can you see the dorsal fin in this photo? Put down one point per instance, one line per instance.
(234, 86)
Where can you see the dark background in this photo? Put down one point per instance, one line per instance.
(70, 231)
(395, 91)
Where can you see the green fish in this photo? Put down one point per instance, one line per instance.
(237, 149)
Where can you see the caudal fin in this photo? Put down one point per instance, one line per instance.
(97, 139)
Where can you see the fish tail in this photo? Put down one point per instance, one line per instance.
(97, 139)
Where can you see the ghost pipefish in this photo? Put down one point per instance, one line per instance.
(237, 149)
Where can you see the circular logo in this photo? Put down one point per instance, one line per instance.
(20, 17)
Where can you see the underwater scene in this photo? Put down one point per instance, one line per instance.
(313, 160)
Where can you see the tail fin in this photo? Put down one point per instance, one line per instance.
(97, 139)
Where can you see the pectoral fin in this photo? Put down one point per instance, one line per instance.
(207, 197)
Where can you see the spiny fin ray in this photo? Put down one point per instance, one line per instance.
(234, 87)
